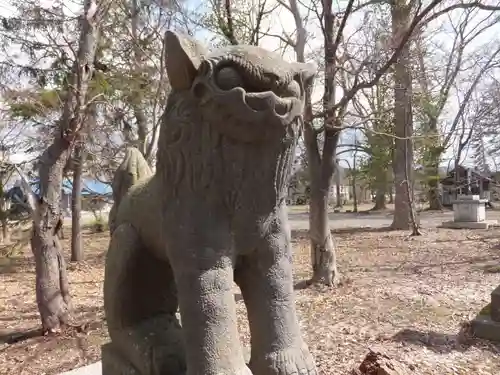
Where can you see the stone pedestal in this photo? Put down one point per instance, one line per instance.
(486, 325)
(153, 347)
(113, 363)
(469, 212)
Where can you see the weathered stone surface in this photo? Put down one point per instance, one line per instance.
(93, 369)
(133, 168)
(486, 328)
(486, 224)
(376, 363)
(486, 325)
(469, 212)
(469, 208)
(155, 344)
(113, 363)
(495, 304)
(116, 365)
(213, 213)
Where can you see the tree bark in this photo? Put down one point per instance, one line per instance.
(52, 287)
(354, 193)
(380, 200)
(381, 190)
(4, 210)
(403, 153)
(5, 231)
(337, 192)
(433, 193)
(323, 252)
(52, 291)
(321, 165)
(4, 213)
(76, 205)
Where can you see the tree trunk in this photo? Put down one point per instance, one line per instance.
(403, 152)
(52, 288)
(337, 192)
(323, 257)
(433, 194)
(52, 292)
(138, 96)
(354, 194)
(4, 211)
(321, 166)
(5, 230)
(76, 206)
(380, 203)
(381, 191)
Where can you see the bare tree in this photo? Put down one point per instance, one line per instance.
(485, 119)
(321, 162)
(76, 202)
(52, 287)
(403, 121)
(435, 84)
(240, 22)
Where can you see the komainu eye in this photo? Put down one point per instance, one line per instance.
(293, 89)
(228, 78)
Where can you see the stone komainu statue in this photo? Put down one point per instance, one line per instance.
(133, 168)
(213, 212)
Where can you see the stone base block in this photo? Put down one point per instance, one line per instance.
(486, 328)
(93, 369)
(113, 364)
(152, 347)
(469, 224)
(495, 304)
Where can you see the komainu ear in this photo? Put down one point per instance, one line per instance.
(183, 56)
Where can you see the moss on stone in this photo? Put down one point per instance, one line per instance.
(486, 310)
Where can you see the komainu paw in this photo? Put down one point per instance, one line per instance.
(296, 361)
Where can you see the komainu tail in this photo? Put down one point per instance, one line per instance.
(133, 168)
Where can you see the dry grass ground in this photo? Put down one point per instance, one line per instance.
(406, 296)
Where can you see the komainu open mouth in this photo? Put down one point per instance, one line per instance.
(260, 95)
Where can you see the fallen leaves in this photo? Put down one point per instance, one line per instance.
(409, 300)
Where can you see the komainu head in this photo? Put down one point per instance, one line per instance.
(245, 92)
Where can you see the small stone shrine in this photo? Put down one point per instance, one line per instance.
(469, 212)
(486, 325)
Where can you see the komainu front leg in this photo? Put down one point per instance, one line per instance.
(265, 279)
(203, 268)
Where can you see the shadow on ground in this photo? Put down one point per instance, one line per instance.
(304, 233)
(11, 265)
(86, 319)
(485, 263)
(443, 343)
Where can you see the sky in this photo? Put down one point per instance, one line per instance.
(281, 20)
